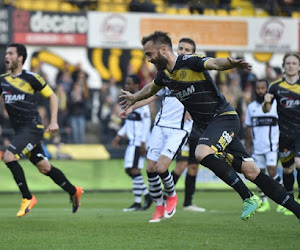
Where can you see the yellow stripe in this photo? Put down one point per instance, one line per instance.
(40, 126)
(156, 87)
(229, 113)
(47, 91)
(186, 75)
(294, 88)
(206, 62)
(279, 80)
(20, 84)
(214, 148)
(40, 79)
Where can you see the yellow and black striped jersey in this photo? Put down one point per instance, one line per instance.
(191, 83)
(288, 105)
(19, 94)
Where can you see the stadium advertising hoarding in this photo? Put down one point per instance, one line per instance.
(115, 30)
(49, 28)
(273, 35)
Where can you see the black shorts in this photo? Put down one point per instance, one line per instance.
(220, 135)
(27, 142)
(192, 144)
(289, 148)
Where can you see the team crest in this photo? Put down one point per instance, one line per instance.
(182, 74)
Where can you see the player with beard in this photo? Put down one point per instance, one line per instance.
(286, 91)
(218, 149)
(262, 137)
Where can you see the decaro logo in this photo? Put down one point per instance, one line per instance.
(41, 22)
(289, 102)
(184, 93)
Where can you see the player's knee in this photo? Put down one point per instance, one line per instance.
(288, 170)
(161, 168)
(9, 157)
(250, 170)
(193, 169)
(44, 167)
(202, 151)
(128, 171)
(151, 166)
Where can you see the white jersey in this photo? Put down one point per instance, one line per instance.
(137, 126)
(172, 112)
(264, 127)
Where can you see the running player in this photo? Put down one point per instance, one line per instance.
(137, 129)
(263, 134)
(286, 91)
(190, 82)
(18, 88)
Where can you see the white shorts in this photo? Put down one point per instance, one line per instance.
(267, 159)
(165, 141)
(132, 157)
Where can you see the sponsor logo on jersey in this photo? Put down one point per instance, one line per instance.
(9, 98)
(186, 92)
(289, 102)
(224, 140)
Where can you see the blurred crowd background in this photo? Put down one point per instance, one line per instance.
(75, 97)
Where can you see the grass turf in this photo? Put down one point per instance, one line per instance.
(92, 175)
(101, 224)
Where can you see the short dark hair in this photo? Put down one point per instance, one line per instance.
(262, 80)
(288, 55)
(189, 41)
(136, 79)
(158, 37)
(21, 50)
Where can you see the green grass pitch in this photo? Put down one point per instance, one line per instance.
(101, 224)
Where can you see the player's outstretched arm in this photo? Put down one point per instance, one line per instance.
(130, 99)
(227, 63)
(137, 105)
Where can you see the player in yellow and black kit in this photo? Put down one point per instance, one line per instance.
(286, 91)
(18, 88)
(188, 78)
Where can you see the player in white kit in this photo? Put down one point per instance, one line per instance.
(263, 133)
(171, 129)
(137, 129)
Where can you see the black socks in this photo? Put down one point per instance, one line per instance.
(277, 193)
(288, 182)
(19, 177)
(225, 172)
(175, 177)
(190, 187)
(60, 179)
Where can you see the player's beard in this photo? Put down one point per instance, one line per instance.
(13, 65)
(260, 97)
(160, 62)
